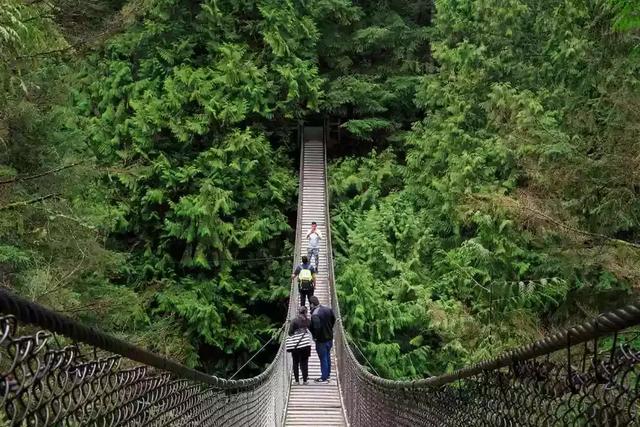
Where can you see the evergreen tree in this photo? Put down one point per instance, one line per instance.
(519, 207)
(183, 110)
(371, 55)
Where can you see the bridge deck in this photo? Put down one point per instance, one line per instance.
(315, 404)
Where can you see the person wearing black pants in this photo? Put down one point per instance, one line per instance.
(301, 361)
(305, 294)
(306, 274)
(300, 356)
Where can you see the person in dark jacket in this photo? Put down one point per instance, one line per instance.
(300, 356)
(306, 274)
(322, 321)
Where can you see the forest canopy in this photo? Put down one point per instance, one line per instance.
(511, 207)
(485, 168)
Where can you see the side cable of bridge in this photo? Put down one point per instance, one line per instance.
(55, 371)
(588, 375)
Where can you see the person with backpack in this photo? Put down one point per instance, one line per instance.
(314, 236)
(322, 321)
(306, 274)
(299, 344)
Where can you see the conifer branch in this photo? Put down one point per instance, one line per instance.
(46, 53)
(34, 2)
(29, 202)
(42, 16)
(78, 221)
(576, 230)
(561, 224)
(39, 175)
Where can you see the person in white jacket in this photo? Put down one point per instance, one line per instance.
(314, 236)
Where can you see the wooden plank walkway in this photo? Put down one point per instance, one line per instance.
(315, 404)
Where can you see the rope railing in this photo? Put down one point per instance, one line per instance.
(588, 375)
(55, 371)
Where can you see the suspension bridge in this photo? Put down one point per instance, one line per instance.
(55, 371)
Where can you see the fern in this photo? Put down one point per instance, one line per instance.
(365, 128)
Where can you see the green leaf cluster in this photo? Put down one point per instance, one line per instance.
(512, 207)
(371, 55)
(187, 110)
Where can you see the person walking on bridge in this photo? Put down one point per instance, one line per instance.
(306, 274)
(302, 350)
(314, 236)
(322, 321)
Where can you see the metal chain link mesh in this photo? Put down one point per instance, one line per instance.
(43, 383)
(594, 388)
(588, 375)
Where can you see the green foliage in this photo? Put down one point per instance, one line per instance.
(371, 55)
(365, 127)
(524, 157)
(135, 179)
(628, 14)
(182, 109)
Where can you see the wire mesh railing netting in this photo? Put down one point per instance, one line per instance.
(54, 371)
(588, 375)
(594, 387)
(47, 383)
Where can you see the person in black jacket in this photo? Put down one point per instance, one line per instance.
(322, 321)
(306, 274)
(300, 356)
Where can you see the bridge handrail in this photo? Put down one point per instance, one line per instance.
(28, 312)
(559, 379)
(604, 324)
(159, 391)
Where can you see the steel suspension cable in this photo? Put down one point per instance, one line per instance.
(276, 335)
(48, 375)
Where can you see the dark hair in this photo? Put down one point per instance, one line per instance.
(305, 259)
(314, 223)
(303, 320)
(314, 300)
